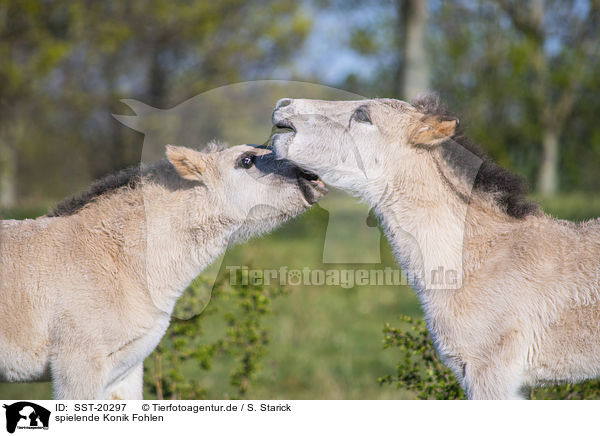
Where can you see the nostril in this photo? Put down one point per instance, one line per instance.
(283, 103)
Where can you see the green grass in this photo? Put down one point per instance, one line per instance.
(325, 342)
(575, 207)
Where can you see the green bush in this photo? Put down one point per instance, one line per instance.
(421, 371)
(170, 371)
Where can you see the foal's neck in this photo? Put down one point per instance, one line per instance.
(173, 241)
(183, 241)
(432, 240)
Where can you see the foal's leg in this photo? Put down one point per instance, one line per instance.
(77, 379)
(498, 373)
(491, 382)
(130, 387)
(78, 369)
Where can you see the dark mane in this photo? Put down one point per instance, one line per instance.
(127, 177)
(509, 189)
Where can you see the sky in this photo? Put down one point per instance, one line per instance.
(326, 52)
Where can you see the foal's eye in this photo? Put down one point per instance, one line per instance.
(362, 115)
(247, 161)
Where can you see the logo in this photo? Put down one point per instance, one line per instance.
(26, 415)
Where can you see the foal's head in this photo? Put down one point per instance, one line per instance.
(245, 183)
(365, 145)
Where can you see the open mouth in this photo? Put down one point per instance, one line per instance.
(283, 126)
(311, 186)
(281, 132)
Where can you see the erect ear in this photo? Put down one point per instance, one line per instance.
(432, 130)
(189, 164)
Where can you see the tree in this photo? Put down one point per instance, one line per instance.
(395, 38)
(68, 63)
(33, 39)
(564, 44)
(518, 73)
(415, 70)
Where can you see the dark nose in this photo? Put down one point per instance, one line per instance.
(283, 102)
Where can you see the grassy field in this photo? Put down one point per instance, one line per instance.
(325, 341)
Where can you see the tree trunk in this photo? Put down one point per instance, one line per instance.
(157, 77)
(8, 173)
(415, 69)
(116, 147)
(548, 175)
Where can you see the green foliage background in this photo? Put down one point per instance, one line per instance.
(171, 369)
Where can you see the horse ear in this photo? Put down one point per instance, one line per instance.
(433, 130)
(189, 164)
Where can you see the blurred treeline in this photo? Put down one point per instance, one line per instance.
(65, 65)
(522, 74)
